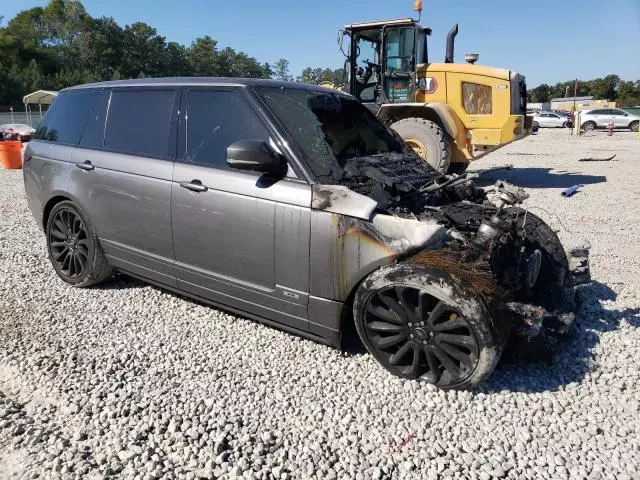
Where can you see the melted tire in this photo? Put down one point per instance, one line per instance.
(456, 297)
(431, 136)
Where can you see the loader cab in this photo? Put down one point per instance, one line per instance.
(382, 58)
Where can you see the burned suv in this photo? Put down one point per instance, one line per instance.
(295, 206)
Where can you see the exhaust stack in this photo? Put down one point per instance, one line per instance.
(451, 36)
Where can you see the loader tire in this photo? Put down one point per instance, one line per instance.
(427, 139)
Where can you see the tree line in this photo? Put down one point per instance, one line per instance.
(59, 45)
(610, 87)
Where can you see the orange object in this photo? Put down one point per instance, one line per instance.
(11, 154)
(417, 6)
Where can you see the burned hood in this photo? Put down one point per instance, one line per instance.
(390, 179)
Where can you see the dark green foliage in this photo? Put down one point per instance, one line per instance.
(62, 45)
(605, 88)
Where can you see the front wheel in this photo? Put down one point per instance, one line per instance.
(633, 126)
(589, 126)
(424, 324)
(427, 139)
(74, 249)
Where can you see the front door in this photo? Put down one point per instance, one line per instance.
(240, 239)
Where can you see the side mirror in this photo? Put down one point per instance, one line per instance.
(255, 155)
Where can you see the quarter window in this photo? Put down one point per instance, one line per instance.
(139, 122)
(476, 98)
(216, 119)
(65, 120)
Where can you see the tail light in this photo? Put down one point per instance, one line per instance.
(26, 158)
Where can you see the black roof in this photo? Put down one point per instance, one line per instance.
(202, 81)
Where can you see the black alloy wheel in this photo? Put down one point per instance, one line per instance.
(426, 324)
(74, 249)
(420, 336)
(69, 243)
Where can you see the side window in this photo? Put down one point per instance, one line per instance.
(66, 119)
(93, 135)
(139, 122)
(476, 98)
(216, 119)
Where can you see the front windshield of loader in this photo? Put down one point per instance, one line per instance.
(329, 128)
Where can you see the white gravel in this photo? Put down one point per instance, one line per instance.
(129, 381)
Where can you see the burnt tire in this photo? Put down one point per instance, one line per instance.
(425, 324)
(73, 247)
(553, 289)
(427, 139)
(633, 126)
(588, 126)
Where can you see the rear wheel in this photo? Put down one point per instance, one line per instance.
(427, 139)
(74, 249)
(424, 324)
(633, 126)
(588, 126)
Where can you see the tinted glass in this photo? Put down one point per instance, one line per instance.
(93, 135)
(216, 119)
(66, 119)
(617, 112)
(139, 122)
(329, 128)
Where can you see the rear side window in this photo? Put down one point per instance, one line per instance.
(216, 119)
(139, 122)
(476, 98)
(67, 117)
(93, 135)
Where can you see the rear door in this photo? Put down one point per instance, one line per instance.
(620, 118)
(240, 238)
(122, 177)
(601, 116)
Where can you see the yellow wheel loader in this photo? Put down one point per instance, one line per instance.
(449, 113)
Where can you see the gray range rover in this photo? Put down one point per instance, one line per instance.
(295, 206)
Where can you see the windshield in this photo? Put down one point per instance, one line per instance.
(329, 128)
(344, 143)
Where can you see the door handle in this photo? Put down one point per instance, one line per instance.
(86, 165)
(194, 186)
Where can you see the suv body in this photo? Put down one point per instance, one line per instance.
(291, 204)
(551, 119)
(602, 117)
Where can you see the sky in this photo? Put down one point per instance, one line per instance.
(548, 41)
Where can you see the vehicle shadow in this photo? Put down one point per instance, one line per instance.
(538, 177)
(574, 355)
(120, 281)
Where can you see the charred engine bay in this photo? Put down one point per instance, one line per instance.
(394, 181)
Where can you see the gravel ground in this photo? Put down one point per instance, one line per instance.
(130, 381)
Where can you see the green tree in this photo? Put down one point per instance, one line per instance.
(281, 70)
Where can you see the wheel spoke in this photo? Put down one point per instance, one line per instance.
(386, 342)
(61, 226)
(447, 362)
(464, 340)
(432, 361)
(66, 263)
(393, 305)
(457, 322)
(415, 362)
(57, 233)
(57, 256)
(77, 264)
(384, 314)
(58, 244)
(437, 311)
(398, 356)
(459, 355)
(385, 326)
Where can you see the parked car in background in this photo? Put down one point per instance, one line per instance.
(17, 131)
(601, 117)
(551, 119)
